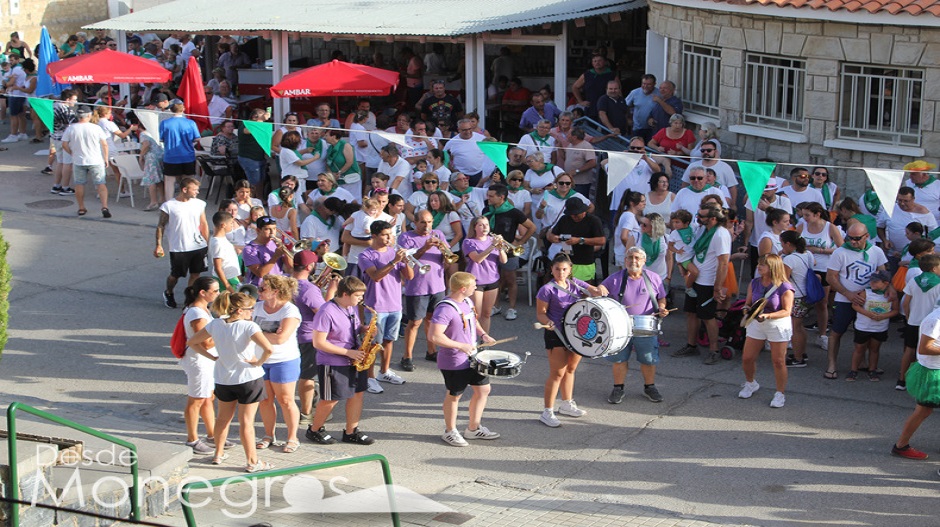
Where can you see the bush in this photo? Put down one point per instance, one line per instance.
(5, 277)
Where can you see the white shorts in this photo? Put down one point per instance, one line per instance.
(61, 155)
(773, 330)
(200, 375)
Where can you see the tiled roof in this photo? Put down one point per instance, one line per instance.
(894, 7)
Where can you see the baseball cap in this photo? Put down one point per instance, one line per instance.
(160, 97)
(305, 258)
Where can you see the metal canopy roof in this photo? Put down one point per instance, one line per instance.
(361, 17)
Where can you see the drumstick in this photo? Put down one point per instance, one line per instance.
(542, 326)
(494, 343)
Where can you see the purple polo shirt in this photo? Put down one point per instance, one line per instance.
(433, 281)
(340, 326)
(460, 327)
(260, 254)
(385, 295)
(558, 300)
(635, 295)
(487, 272)
(308, 299)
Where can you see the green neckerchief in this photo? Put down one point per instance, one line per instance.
(927, 281)
(548, 168)
(701, 245)
(925, 183)
(491, 213)
(934, 234)
(538, 139)
(868, 222)
(686, 235)
(570, 194)
(329, 223)
(864, 251)
(706, 187)
(913, 264)
(827, 195)
(904, 249)
(881, 292)
(872, 203)
(651, 248)
(330, 193)
(438, 218)
(459, 193)
(317, 147)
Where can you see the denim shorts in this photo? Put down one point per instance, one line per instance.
(646, 348)
(80, 174)
(842, 317)
(254, 169)
(389, 325)
(282, 372)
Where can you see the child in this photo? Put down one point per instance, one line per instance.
(923, 378)
(680, 242)
(917, 249)
(913, 231)
(380, 180)
(251, 230)
(222, 253)
(356, 236)
(920, 297)
(871, 325)
(417, 172)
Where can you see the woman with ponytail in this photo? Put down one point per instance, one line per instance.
(199, 363)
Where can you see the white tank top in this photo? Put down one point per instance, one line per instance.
(663, 209)
(820, 240)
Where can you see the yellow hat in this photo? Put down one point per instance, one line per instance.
(919, 166)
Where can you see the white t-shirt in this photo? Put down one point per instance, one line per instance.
(895, 225)
(313, 227)
(519, 198)
(85, 142)
(921, 303)
(658, 265)
(799, 264)
(443, 173)
(401, 169)
(359, 228)
(418, 200)
(222, 248)
(724, 174)
(234, 345)
(930, 327)
(182, 229)
(472, 208)
(683, 250)
(720, 245)
(528, 143)
(192, 314)
(217, 107)
(315, 168)
(537, 181)
(270, 322)
(447, 229)
(760, 217)
(287, 159)
(929, 196)
(467, 157)
(854, 271)
(339, 192)
(688, 199)
(367, 154)
(109, 129)
(638, 180)
(808, 195)
(876, 303)
(627, 222)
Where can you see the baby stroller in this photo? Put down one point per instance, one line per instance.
(730, 333)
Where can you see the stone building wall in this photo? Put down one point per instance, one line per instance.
(824, 46)
(61, 17)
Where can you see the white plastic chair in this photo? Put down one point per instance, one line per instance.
(129, 165)
(530, 254)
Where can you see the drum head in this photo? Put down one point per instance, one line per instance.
(485, 356)
(595, 327)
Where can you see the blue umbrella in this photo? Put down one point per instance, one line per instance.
(45, 84)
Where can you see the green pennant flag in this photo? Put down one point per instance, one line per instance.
(497, 153)
(43, 108)
(755, 176)
(262, 132)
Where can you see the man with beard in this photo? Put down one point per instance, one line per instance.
(426, 290)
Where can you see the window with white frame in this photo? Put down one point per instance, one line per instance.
(773, 96)
(701, 78)
(881, 104)
(14, 7)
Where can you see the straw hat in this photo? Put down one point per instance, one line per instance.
(919, 166)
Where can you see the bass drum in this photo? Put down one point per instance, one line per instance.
(597, 327)
(497, 363)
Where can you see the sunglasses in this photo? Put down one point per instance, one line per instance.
(695, 178)
(566, 183)
(707, 150)
(820, 173)
(637, 148)
(431, 181)
(857, 238)
(699, 216)
(516, 179)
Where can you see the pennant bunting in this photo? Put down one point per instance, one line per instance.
(497, 152)
(619, 165)
(398, 139)
(755, 175)
(262, 132)
(150, 120)
(43, 108)
(886, 184)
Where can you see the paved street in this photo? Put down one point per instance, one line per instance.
(89, 340)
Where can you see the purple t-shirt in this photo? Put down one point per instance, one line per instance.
(487, 272)
(558, 300)
(774, 300)
(260, 254)
(433, 281)
(385, 295)
(340, 326)
(635, 294)
(461, 327)
(308, 299)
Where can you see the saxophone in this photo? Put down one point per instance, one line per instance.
(368, 343)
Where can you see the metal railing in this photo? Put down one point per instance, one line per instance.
(14, 492)
(245, 478)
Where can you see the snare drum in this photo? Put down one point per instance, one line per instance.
(497, 363)
(646, 325)
(597, 327)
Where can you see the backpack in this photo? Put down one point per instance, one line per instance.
(813, 288)
(178, 340)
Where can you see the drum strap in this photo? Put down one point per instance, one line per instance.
(649, 290)
(472, 319)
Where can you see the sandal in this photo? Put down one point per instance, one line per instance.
(105, 212)
(291, 446)
(851, 376)
(874, 376)
(260, 466)
(82, 212)
(217, 460)
(831, 374)
(265, 442)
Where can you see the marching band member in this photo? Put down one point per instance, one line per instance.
(336, 328)
(454, 328)
(642, 293)
(426, 290)
(483, 260)
(552, 301)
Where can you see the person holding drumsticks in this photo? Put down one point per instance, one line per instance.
(551, 302)
(454, 330)
(642, 293)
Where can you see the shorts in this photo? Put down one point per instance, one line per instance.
(254, 169)
(388, 326)
(685, 264)
(646, 348)
(61, 156)
(488, 287)
(188, 262)
(842, 316)
(911, 336)
(512, 264)
(418, 307)
(308, 361)
(232, 282)
(822, 278)
(800, 308)
(15, 105)
(338, 383)
(456, 381)
(282, 372)
(585, 272)
(773, 330)
(179, 169)
(245, 393)
(698, 306)
(200, 375)
(80, 174)
(552, 340)
(862, 337)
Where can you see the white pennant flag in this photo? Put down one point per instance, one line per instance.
(151, 121)
(398, 139)
(886, 184)
(619, 165)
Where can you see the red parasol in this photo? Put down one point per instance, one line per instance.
(193, 93)
(107, 67)
(337, 79)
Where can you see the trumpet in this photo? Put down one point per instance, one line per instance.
(450, 257)
(414, 262)
(502, 244)
(304, 244)
(331, 262)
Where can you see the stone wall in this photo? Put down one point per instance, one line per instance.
(61, 17)
(824, 46)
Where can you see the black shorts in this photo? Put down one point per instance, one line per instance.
(698, 306)
(338, 383)
(245, 393)
(552, 340)
(189, 262)
(911, 336)
(862, 337)
(822, 278)
(418, 307)
(179, 169)
(456, 381)
(488, 287)
(308, 361)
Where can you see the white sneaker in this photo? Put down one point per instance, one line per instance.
(570, 408)
(480, 433)
(11, 139)
(374, 387)
(823, 342)
(511, 314)
(496, 310)
(23, 137)
(549, 419)
(390, 377)
(779, 400)
(453, 438)
(748, 389)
